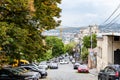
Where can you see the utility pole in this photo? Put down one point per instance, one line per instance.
(61, 30)
(90, 53)
(91, 36)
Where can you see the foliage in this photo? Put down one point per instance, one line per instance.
(56, 45)
(47, 14)
(21, 24)
(69, 48)
(87, 41)
(84, 54)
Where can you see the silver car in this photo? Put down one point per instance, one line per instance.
(18, 74)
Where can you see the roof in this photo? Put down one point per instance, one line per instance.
(100, 35)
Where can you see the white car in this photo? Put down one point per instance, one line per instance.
(73, 61)
(43, 65)
(62, 62)
(66, 61)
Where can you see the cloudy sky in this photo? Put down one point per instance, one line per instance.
(78, 13)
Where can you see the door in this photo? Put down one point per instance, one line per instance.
(117, 56)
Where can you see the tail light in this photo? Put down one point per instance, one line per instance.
(117, 74)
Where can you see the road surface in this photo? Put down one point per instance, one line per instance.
(66, 72)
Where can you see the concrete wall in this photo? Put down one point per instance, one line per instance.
(102, 56)
(106, 47)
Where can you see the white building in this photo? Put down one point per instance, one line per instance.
(108, 45)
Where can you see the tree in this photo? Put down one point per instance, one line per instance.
(47, 14)
(69, 48)
(87, 44)
(87, 41)
(56, 45)
(21, 25)
(84, 54)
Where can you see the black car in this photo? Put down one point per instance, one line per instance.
(18, 74)
(111, 72)
(43, 72)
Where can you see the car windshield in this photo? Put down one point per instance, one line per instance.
(54, 64)
(35, 68)
(77, 64)
(14, 71)
(43, 63)
(83, 66)
(22, 70)
(35, 65)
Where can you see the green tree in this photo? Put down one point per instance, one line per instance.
(84, 54)
(47, 14)
(56, 45)
(69, 47)
(87, 41)
(87, 44)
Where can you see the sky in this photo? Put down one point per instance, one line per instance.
(80, 13)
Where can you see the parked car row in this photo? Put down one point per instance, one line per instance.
(18, 73)
(23, 72)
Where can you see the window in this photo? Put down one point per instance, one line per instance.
(116, 38)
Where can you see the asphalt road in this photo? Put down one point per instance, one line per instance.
(66, 72)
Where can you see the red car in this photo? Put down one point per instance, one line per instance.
(83, 68)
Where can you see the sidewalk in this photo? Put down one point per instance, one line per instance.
(93, 71)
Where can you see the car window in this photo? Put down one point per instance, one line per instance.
(15, 71)
(27, 68)
(117, 67)
(4, 75)
(106, 69)
(110, 70)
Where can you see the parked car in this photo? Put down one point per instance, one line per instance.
(83, 68)
(53, 66)
(32, 64)
(66, 61)
(43, 65)
(76, 65)
(110, 72)
(73, 61)
(61, 62)
(43, 72)
(18, 74)
(48, 63)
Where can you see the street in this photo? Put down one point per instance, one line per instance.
(66, 72)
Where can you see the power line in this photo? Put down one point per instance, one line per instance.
(112, 14)
(108, 25)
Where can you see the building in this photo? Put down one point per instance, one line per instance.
(108, 49)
